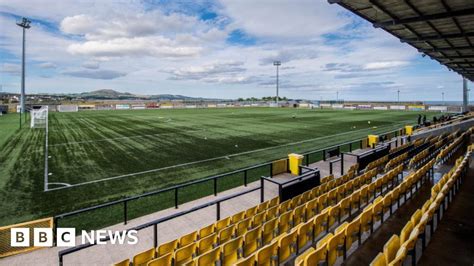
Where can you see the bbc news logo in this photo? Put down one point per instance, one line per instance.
(66, 237)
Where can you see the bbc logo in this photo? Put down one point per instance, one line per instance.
(42, 237)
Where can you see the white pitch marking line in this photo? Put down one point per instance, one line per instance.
(212, 159)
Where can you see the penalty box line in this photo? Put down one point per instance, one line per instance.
(210, 159)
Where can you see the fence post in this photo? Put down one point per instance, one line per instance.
(215, 186)
(271, 169)
(280, 191)
(55, 229)
(324, 155)
(342, 163)
(307, 159)
(125, 212)
(330, 167)
(350, 147)
(218, 214)
(262, 188)
(245, 177)
(155, 235)
(176, 198)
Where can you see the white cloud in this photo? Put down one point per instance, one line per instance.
(91, 64)
(283, 19)
(385, 65)
(13, 69)
(95, 74)
(138, 46)
(47, 65)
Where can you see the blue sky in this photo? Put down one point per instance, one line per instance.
(221, 49)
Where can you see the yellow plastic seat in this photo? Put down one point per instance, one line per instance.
(377, 209)
(251, 241)
(341, 192)
(379, 260)
(406, 231)
(299, 261)
(332, 196)
(211, 257)
(333, 215)
(144, 257)
(322, 202)
(226, 234)
(249, 261)
(273, 202)
(284, 222)
(299, 215)
(323, 242)
(207, 243)
(206, 231)
(268, 255)
(243, 226)
(258, 219)
(336, 246)
(284, 206)
(320, 223)
(125, 262)
(232, 251)
(391, 247)
(185, 254)
(387, 203)
(263, 206)
(366, 220)
(306, 196)
(250, 212)
(355, 200)
(316, 257)
(352, 233)
(164, 260)
(345, 206)
(188, 239)
(364, 194)
(410, 243)
(271, 213)
(305, 233)
(269, 230)
(221, 224)
(237, 217)
(165, 248)
(311, 208)
(416, 217)
(287, 245)
(399, 257)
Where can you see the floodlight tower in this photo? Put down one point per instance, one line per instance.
(25, 24)
(398, 96)
(277, 64)
(442, 97)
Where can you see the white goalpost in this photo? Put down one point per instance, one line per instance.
(39, 117)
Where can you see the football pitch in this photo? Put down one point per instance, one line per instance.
(99, 156)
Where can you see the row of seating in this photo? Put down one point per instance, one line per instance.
(451, 149)
(259, 214)
(377, 164)
(326, 251)
(396, 161)
(397, 248)
(262, 218)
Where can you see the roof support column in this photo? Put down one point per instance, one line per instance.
(465, 94)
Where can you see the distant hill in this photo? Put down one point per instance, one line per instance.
(116, 95)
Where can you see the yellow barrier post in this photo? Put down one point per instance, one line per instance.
(409, 130)
(373, 140)
(295, 161)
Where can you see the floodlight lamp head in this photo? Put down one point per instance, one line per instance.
(25, 23)
(276, 63)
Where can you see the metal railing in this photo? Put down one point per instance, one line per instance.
(156, 222)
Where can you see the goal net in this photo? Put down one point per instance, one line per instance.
(39, 117)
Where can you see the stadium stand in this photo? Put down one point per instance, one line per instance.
(319, 225)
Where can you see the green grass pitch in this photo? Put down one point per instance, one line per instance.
(106, 155)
